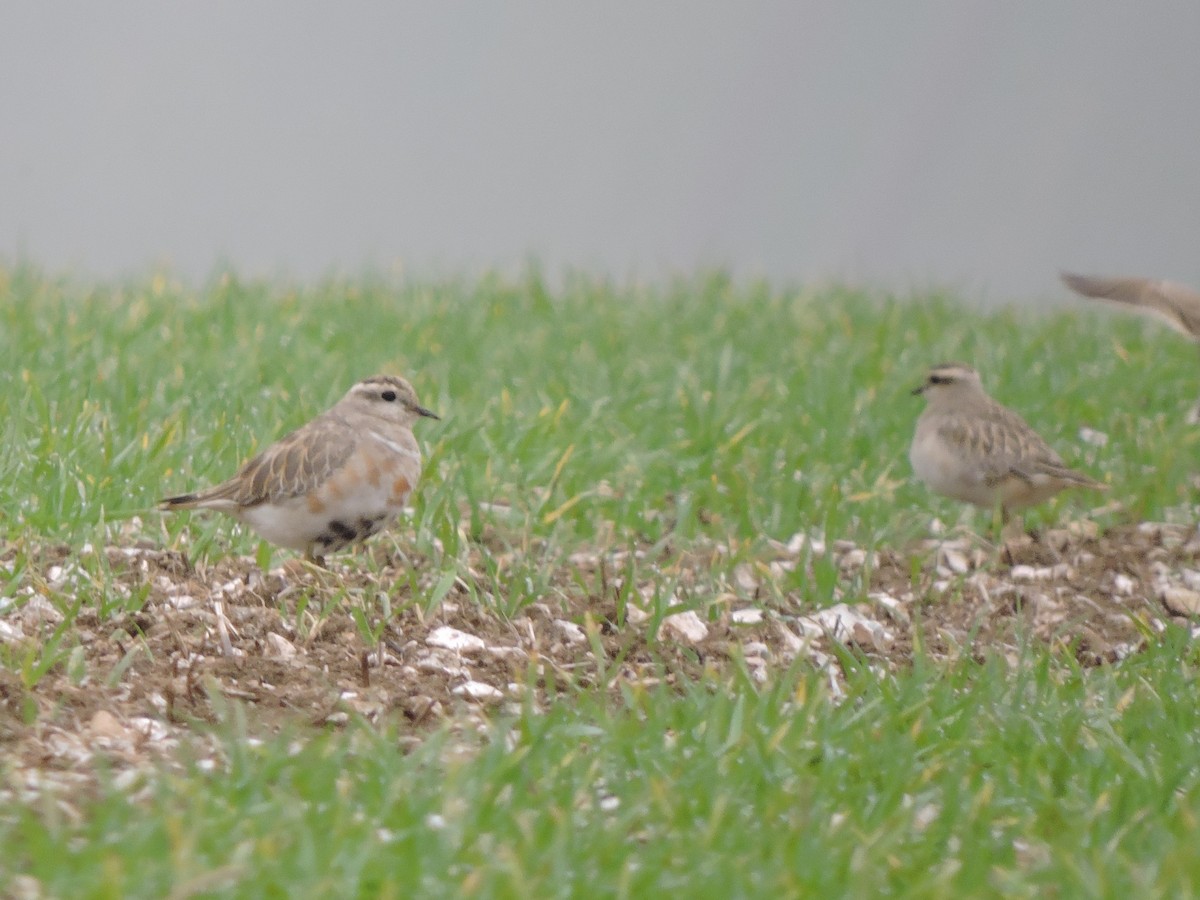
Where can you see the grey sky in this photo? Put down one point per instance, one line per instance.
(981, 145)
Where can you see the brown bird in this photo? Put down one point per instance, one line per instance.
(971, 448)
(330, 483)
(1176, 304)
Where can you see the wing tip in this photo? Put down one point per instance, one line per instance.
(182, 501)
(1081, 284)
(1078, 479)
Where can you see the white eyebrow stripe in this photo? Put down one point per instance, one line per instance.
(394, 447)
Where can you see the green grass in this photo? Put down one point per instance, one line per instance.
(967, 782)
(701, 408)
(605, 415)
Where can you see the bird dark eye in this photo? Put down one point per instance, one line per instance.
(939, 379)
(389, 396)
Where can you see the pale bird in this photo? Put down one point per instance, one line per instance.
(971, 448)
(1176, 304)
(333, 482)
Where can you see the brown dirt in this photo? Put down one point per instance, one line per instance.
(287, 647)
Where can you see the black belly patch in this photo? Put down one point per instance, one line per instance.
(342, 531)
(368, 526)
(338, 534)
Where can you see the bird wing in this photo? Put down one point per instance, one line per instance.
(291, 467)
(1005, 446)
(1177, 304)
(1001, 444)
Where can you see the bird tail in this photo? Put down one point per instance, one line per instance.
(183, 501)
(1078, 479)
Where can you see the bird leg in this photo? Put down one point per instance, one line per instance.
(1001, 520)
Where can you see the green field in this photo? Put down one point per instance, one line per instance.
(674, 436)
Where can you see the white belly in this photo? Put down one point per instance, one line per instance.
(947, 472)
(292, 524)
(952, 474)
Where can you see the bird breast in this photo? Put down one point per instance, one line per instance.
(948, 469)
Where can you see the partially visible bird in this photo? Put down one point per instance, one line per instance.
(1176, 304)
(330, 483)
(971, 448)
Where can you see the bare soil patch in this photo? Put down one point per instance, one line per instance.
(308, 648)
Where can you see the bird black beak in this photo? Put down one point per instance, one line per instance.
(918, 391)
(427, 413)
